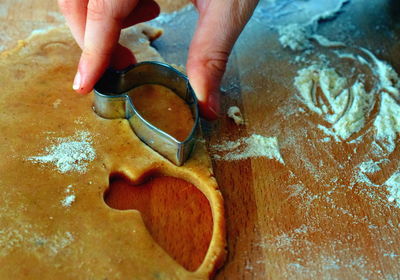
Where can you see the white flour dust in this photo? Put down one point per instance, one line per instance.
(69, 198)
(28, 236)
(295, 37)
(393, 187)
(70, 154)
(253, 146)
(23, 232)
(371, 166)
(347, 107)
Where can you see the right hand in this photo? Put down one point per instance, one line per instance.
(220, 24)
(96, 26)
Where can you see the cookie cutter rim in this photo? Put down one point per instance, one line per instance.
(112, 101)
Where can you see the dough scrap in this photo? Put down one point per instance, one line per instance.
(235, 114)
(49, 233)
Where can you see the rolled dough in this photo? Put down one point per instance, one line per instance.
(54, 223)
(167, 6)
(164, 109)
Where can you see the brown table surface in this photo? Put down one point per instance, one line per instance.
(308, 218)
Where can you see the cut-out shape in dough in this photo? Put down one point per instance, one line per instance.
(175, 212)
(164, 109)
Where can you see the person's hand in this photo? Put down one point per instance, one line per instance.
(96, 26)
(220, 24)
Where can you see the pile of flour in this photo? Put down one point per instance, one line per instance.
(70, 154)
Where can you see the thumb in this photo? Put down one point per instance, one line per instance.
(220, 24)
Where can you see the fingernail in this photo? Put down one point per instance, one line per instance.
(77, 81)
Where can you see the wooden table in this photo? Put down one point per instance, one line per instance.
(308, 218)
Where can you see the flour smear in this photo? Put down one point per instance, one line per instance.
(70, 154)
(69, 198)
(248, 147)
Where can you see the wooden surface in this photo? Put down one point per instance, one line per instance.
(173, 210)
(307, 219)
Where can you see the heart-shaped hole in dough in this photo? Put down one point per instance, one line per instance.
(175, 212)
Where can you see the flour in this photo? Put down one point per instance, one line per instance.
(70, 197)
(67, 201)
(332, 85)
(295, 37)
(253, 146)
(354, 118)
(344, 108)
(347, 108)
(60, 242)
(57, 103)
(325, 140)
(70, 154)
(363, 178)
(392, 184)
(235, 114)
(387, 123)
(393, 187)
(388, 78)
(29, 236)
(298, 37)
(325, 42)
(371, 166)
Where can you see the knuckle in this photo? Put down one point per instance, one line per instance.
(216, 61)
(66, 6)
(116, 10)
(96, 9)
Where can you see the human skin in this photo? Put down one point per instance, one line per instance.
(96, 26)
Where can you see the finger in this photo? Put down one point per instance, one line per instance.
(144, 11)
(74, 12)
(122, 57)
(103, 25)
(208, 55)
(219, 26)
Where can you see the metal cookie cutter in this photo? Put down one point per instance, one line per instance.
(112, 100)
